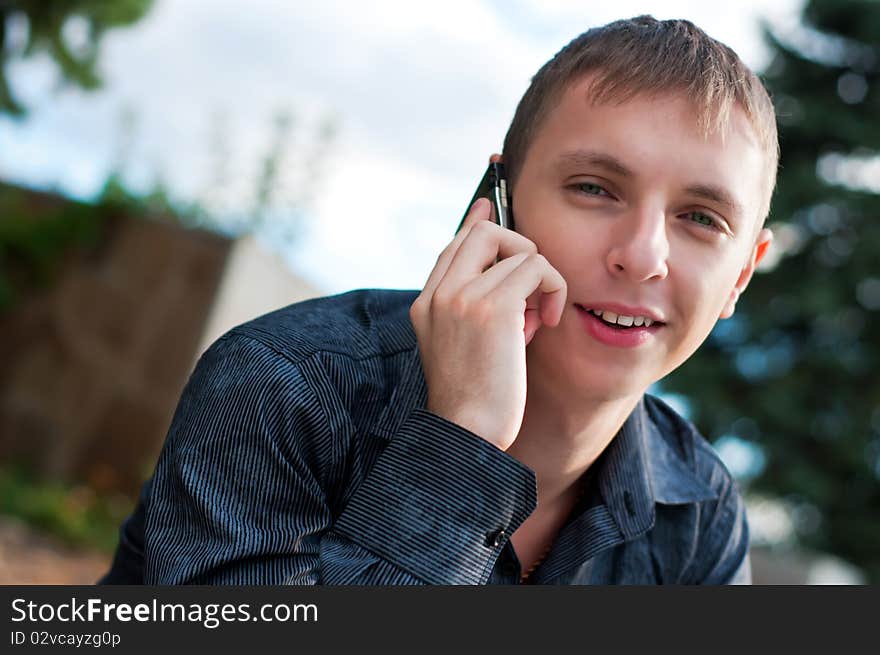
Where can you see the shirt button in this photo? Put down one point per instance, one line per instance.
(496, 538)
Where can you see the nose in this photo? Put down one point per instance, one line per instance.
(640, 247)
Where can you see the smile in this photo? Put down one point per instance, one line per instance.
(620, 320)
(617, 330)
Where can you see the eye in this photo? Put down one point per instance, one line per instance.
(590, 189)
(704, 219)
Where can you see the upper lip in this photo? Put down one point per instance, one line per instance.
(625, 310)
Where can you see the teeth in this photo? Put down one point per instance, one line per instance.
(620, 319)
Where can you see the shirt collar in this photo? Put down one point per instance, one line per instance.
(631, 482)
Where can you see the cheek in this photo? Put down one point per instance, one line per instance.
(564, 238)
(559, 245)
(702, 288)
(541, 212)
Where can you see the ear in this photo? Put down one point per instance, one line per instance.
(762, 243)
(494, 158)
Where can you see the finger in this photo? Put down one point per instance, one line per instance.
(490, 280)
(536, 274)
(492, 277)
(477, 213)
(481, 248)
(494, 158)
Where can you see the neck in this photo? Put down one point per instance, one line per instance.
(562, 434)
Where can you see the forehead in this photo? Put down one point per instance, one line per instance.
(655, 118)
(658, 138)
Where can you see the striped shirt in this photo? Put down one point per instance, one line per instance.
(301, 452)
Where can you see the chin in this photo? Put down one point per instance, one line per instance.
(582, 375)
(600, 387)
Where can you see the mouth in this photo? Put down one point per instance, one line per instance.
(621, 321)
(617, 330)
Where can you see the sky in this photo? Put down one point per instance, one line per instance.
(419, 97)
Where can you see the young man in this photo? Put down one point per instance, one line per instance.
(494, 427)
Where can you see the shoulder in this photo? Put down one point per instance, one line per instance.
(309, 354)
(295, 386)
(349, 354)
(359, 324)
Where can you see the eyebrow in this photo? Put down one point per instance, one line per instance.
(717, 195)
(610, 163)
(594, 158)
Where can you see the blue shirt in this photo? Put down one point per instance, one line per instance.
(301, 452)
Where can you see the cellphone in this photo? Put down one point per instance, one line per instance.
(494, 187)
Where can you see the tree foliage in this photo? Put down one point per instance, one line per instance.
(794, 372)
(69, 31)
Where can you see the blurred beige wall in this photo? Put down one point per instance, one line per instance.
(255, 281)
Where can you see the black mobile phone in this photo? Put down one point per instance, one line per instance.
(494, 187)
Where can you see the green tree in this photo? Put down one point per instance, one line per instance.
(794, 372)
(46, 26)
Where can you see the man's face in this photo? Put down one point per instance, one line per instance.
(639, 211)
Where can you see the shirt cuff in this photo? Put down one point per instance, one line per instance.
(440, 502)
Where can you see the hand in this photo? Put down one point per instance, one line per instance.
(474, 319)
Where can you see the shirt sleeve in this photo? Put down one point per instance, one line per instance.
(242, 489)
(127, 567)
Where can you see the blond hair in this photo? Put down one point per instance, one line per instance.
(643, 55)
